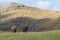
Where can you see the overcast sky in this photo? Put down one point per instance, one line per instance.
(42, 4)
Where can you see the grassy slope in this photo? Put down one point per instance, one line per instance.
(50, 35)
(33, 13)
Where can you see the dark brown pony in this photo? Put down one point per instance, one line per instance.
(25, 29)
(13, 29)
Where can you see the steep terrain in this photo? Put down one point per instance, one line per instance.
(36, 19)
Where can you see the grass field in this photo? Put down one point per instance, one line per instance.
(50, 35)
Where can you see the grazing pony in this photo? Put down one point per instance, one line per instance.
(25, 29)
(13, 29)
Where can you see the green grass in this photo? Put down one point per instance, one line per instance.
(50, 35)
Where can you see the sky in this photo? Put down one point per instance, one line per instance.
(42, 4)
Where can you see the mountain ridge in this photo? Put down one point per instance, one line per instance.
(27, 16)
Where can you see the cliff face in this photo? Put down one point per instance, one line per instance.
(36, 19)
(13, 6)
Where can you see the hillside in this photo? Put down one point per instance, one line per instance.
(36, 19)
